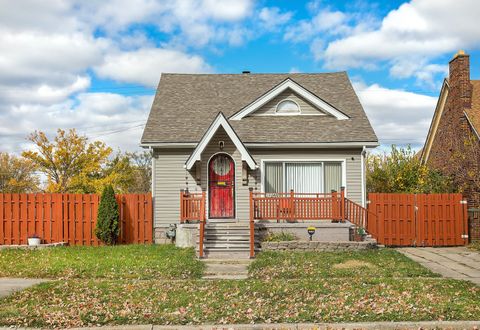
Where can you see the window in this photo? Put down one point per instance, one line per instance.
(287, 107)
(302, 177)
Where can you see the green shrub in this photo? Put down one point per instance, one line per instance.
(401, 171)
(108, 228)
(280, 237)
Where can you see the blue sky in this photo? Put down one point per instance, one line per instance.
(94, 65)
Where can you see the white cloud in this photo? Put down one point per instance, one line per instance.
(48, 51)
(420, 30)
(34, 57)
(325, 21)
(272, 17)
(144, 66)
(115, 119)
(398, 117)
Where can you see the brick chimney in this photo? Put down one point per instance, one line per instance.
(459, 80)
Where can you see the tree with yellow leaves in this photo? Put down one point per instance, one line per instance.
(72, 164)
(401, 171)
(17, 175)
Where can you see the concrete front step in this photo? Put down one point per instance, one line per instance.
(226, 254)
(227, 237)
(227, 233)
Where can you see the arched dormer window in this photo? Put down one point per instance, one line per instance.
(287, 107)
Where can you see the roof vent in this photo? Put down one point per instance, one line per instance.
(246, 72)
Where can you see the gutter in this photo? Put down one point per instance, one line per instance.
(366, 144)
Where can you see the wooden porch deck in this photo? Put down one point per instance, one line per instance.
(289, 207)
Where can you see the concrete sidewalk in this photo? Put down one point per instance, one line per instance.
(427, 325)
(10, 285)
(453, 262)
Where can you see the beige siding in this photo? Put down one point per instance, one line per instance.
(170, 174)
(306, 107)
(169, 179)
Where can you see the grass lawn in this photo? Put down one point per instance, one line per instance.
(328, 287)
(377, 263)
(110, 262)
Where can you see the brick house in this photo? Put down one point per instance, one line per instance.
(453, 141)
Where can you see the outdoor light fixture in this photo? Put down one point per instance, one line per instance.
(221, 144)
(311, 231)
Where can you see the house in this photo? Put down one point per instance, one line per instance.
(289, 141)
(453, 141)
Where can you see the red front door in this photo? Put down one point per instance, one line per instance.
(221, 183)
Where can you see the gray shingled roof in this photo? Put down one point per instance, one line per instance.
(186, 104)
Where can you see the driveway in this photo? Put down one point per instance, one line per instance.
(10, 285)
(452, 262)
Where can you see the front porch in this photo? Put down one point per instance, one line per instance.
(333, 216)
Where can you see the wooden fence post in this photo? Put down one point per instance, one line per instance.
(342, 204)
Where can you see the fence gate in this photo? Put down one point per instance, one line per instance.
(418, 219)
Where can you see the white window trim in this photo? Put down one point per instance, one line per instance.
(288, 83)
(299, 112)
(343, 162)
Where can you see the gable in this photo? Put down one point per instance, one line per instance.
(219, 122)
(306, 108)
(292, 85)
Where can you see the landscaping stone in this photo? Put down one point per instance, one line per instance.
(32, 247)
(319, 246)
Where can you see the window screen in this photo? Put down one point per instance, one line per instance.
(333, 176)
(273, 177)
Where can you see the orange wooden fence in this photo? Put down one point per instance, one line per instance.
(71, 218)
(418, 219)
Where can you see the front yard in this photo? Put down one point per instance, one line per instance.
(109, 262)
(283, 287)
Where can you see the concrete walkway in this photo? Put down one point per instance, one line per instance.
(226, 269)
(454, 262)
(10, 285)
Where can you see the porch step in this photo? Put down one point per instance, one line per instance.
(226, 238)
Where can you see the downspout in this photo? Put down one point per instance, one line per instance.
(364, 150)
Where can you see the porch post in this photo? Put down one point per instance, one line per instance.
(252, 224)
(202, 225)
(342, 204)
(292, 205)
(335, 211)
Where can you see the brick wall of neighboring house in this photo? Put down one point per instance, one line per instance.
(474, 226)
(453, 131)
